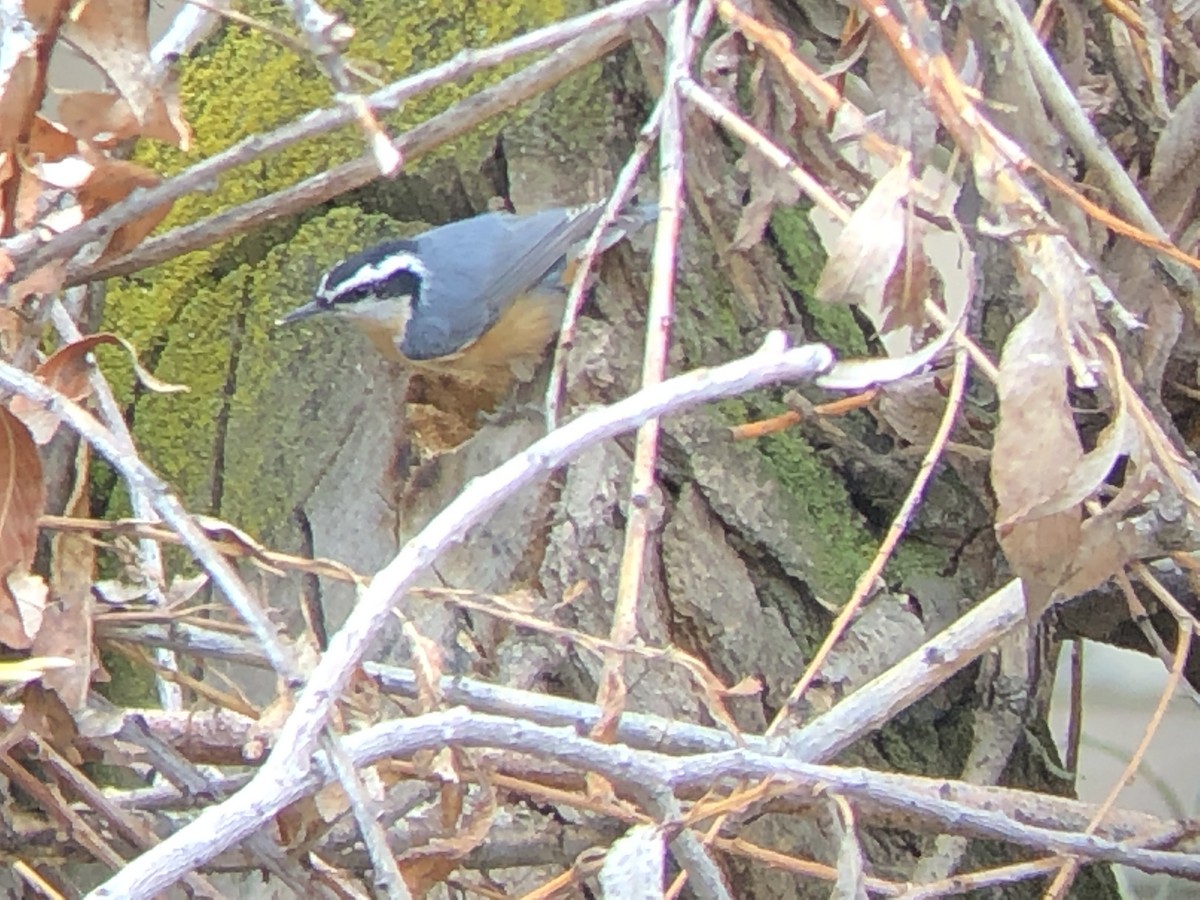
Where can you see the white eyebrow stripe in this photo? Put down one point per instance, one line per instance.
(373, 274)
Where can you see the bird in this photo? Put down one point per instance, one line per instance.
(478, 299)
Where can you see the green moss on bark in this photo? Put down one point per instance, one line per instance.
(204, 319)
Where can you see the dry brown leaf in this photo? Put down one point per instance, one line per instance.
(49, 141)
(912, 282)
(1118, 439)
(20, 87)
(46, 280)
(112, 181)
(912, 408)
(106, 119)
(330, 802)
(44, 714)
(67, 629)
(68, 371)
(300, 825)
(712, 692)
(22, 494)
(113, 34)
(867, 250)
(1035, 452)
(425, 867)
(21, 133)
(424, 873)
(29, 207)
(48, 153)
(23, 599)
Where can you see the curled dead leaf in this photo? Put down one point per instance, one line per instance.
(865, 253)
(912, 282)
(114, 35)
(69, 371)
(23, 599)
(1036, 449)
(22, 494)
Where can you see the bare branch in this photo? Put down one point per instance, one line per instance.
(28, 253)
(226, 823)
(431, 133)
(635, 772)
(166, 504)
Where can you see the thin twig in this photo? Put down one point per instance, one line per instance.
(435, 131)
(633, 770)
(973, 881)
(1066, 875)
(225, 823)
(383, 861)
(145, 529)
(777, 156)
(28, 254)
(875, 703)
(866, 581)
(142, 479)
(643, 512)
(281, 37)
(1077, 126)
(1075, 712)
(621, 192)
(327, 35)
(191, 25)
(763, 145)
(150, 561)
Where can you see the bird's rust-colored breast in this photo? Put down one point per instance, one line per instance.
(512, 346)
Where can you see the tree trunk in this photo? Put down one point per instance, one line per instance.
(318, 445)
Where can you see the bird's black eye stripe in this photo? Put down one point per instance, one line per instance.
(355, 295)
(358, 288)
(391, 271)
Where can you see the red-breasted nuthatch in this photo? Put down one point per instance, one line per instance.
(478, 299)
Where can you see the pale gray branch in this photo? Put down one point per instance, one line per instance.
(290, 763)
(433, 132)
(29, 253)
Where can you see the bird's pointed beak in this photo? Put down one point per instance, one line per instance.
(300, 312)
